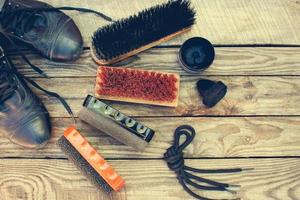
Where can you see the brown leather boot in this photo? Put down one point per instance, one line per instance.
(23, 117)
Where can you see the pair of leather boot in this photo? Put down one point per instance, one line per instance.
(37, 25)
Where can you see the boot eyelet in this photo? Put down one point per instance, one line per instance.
(2, 53)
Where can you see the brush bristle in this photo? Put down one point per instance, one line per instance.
(139, 86)
(147, 26)
(81, 163)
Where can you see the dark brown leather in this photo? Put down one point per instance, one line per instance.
(53, 33)
(23, 117)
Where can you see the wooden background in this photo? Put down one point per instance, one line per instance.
(256, 126)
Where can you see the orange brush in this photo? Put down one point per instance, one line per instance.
(92, 164)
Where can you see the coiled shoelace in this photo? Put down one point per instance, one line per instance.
(175, 161)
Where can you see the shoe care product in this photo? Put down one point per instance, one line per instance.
(211, 92)
(148, 28)
(23, 117)
(116, 124)
(185, 176)
(91, 164)
(196, 55)
(137, 86)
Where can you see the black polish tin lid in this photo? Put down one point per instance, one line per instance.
(196, 54)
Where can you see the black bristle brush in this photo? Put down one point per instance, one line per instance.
(148, 28)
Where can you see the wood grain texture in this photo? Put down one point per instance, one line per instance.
(263, 84)
(222, 22)
(246, 96)
(216, 137)
(271, 179)
(228, 61)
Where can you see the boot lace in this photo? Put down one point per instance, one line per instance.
(18, 21)
(7, 83)
(175, 160)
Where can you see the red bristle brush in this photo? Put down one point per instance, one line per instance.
(137, 86)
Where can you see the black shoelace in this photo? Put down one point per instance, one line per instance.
(33, 83)
(20, 18)
(175, 161)
(7, 86)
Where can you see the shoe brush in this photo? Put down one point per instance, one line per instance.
(148, 28)
(116, 124)
(137, 86)
(89, 162)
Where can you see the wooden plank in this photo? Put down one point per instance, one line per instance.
(229, 61)
(147, 179)
(222, 22)
(216, 137)
(247, 95)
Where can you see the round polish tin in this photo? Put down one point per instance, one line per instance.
(196, 54)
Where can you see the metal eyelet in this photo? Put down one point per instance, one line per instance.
(1, 52)
(141, 128)
(130, 122)
(119, 116)
(108, 110)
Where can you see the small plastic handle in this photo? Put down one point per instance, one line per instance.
(94, 159)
